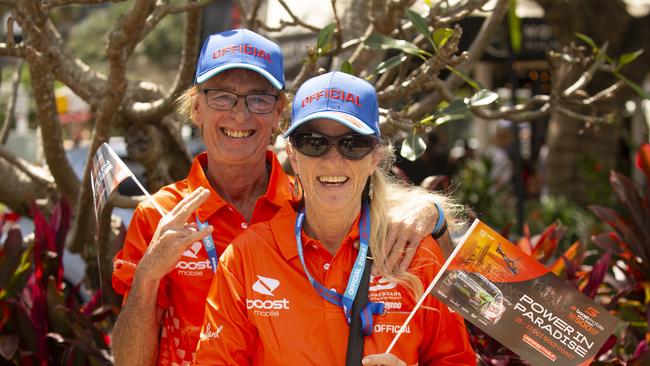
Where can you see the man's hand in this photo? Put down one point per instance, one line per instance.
(408, 223)
(385, 359)
(173, 236)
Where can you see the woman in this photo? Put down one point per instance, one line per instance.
(167, 263)
(276, 298)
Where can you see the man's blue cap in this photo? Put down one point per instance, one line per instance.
(338, 96)
(240, 49)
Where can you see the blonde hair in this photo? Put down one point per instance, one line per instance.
(387, 193)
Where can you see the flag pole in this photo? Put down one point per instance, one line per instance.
(431, 285)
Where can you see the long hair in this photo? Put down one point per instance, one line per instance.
(388, 192)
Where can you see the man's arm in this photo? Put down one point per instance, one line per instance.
(136, 332)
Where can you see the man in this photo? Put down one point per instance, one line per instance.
(164, 270)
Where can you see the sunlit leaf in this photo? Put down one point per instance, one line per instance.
(483, 97)
(441, 36)
(324, 41)
(458, 106)
(627, 58)
(420, 24)
(586, 39)
(465, 78)
(382, 42)
(514, 27)
(448, 118)
(390, 63)
(413, 147)
(346, 67)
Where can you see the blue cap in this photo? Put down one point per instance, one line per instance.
(338, 96)
(240, 48)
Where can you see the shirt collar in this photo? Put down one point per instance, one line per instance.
(283, 226)
(278, 191)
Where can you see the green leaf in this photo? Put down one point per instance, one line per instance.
(628, 58)
(639, 90)
(324, 41)
(514, 26)
(390, 63)
(420, 24)
(483, 97)
(448, 118)
(382, 42)
(466, 78)
(458, 106)
(346, 67)
(428, 2)
(413, 147)
(442, 35)
(586, 39)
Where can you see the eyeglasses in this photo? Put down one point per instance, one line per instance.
(352, 146)
(222, 100)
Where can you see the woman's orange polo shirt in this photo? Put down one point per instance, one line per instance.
(262, 310)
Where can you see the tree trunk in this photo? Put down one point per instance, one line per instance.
(578, 153)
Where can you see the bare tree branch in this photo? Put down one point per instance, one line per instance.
(49, 4)
(31, 171)
(442, 18)
(19, 187)
(536, 107)
(586, 76)
(121, 43)
(11, 103)
(581, 117)
(605, 94)
(154, 111)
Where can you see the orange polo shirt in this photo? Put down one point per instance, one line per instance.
(182, 291)
(262, 309)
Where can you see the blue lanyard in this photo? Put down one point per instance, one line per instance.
(208, 244)
(347, 299)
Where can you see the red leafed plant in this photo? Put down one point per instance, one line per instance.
(629, 243)
(43, 321)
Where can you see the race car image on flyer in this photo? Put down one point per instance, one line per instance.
(482, 294)
(520, 303)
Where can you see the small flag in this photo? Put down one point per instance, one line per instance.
(107, 174)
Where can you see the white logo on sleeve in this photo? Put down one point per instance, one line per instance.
(208, 333)
(193, 250)
(265, 285)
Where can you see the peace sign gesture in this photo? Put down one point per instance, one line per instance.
(173, 236)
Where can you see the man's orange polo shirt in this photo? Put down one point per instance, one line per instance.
(183, 291)
(262, 310)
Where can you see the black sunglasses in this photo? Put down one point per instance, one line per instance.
(352, 146)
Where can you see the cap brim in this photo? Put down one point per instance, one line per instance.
(236, 65)
(348, 120)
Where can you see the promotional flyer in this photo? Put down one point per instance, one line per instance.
(520, 303)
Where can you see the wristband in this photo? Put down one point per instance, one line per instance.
(441, 224)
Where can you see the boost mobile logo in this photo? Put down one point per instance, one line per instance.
(265, 285)
(193, 250)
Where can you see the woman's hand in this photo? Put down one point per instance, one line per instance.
(173, 236)
(384, 359)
